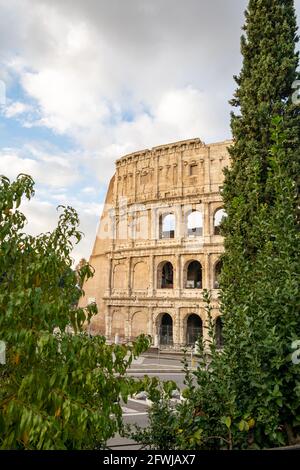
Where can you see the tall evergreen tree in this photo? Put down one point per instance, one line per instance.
(260, 276)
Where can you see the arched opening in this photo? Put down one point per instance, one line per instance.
(166, 330)
(219, 214)
(165, 275)
(193, 329)
(217, 273)
(219, 333)
(194, 275)
(194, 224)
(167, 225)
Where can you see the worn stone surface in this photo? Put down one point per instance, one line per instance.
(132, 287)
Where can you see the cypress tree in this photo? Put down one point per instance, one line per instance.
(260, 275)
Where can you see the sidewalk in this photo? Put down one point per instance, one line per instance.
(160, 364)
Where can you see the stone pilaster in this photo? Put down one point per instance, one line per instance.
(150, 223)
(206, 284)
(207, 171)
(178, 275)
(150, 323)
(206, 222)
(155, 184)
(108, 322)
(128, 324)
(176, 329)
(151, 276)
(182, 340)
(180, 171)
(134, 180)
(110, 276)
(129, 279)
(180, 216)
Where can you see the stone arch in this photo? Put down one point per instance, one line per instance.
(120, 276)
(165, 328)
(140, 275)
(158, 315)
(165, 275)
(194, 328)
(139, 323)
(118, 324)
(167, 224)
(218, 216)
(217, 273)
(192, 275)
(194, 223)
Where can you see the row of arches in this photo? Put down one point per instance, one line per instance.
(194, 223)
(192, 275)
(193, 328)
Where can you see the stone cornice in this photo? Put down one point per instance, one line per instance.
(181, 145)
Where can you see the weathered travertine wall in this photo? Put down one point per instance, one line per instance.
(132, 285)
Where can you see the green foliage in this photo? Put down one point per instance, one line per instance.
(161, 431)
(80, 270)
(59, 390)
(264, 91)
(260, 272)
(261, 302)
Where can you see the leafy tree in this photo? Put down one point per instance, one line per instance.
(58, 390)
(83, 262)
(161, 430)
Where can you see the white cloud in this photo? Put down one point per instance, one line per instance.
(88, 190)
(41, 216)
(86, 67)
(46, 169)
(65, 100)
(16, 108)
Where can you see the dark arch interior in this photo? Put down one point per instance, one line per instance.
(218, 268)
(194, 275)
(167, 276)
(166, 330)
(194, 329)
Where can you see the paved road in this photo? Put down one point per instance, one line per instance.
(136, 411)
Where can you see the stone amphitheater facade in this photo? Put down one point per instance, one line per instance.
(158, 245)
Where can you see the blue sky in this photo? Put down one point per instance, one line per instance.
(89, 81)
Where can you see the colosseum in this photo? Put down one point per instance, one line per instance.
(158, 245)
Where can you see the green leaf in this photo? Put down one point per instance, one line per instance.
(226, 420)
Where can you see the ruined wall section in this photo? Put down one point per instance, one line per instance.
(177, 177)
(95, 287)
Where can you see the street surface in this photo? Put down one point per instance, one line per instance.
(165, 366)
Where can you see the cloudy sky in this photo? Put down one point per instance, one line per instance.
(88, 81)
